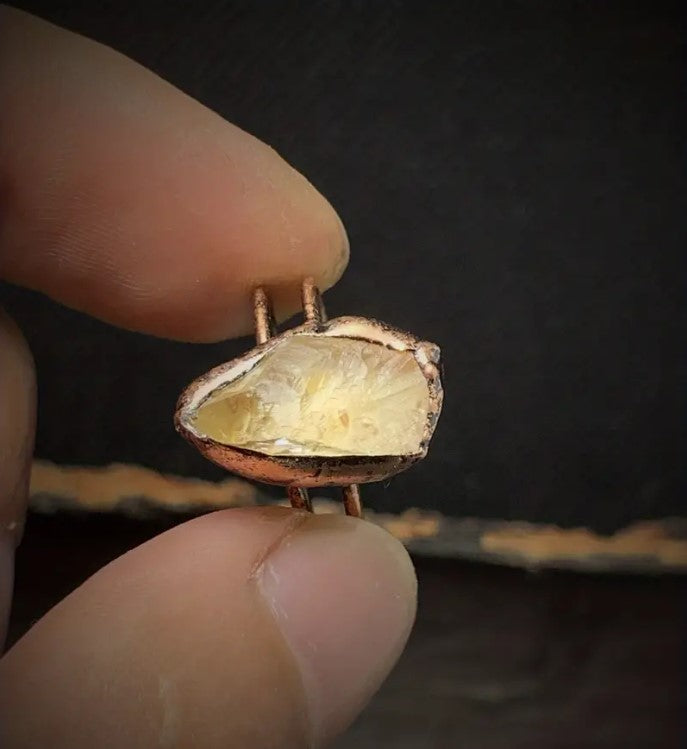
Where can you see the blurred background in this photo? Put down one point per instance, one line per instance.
(521, 166)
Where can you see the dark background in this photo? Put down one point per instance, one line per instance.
(519, 162)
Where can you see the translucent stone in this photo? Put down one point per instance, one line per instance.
(322, 396)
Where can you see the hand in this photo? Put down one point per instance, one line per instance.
(124, 198)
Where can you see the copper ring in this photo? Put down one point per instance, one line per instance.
(300, 472)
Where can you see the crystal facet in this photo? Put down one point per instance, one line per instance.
(322, 396)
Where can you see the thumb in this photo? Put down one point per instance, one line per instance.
(257, 628)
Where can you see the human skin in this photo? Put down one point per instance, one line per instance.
(124, 198)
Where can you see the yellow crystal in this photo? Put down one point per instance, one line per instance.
(324, 396)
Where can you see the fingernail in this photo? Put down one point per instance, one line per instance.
(343, 592)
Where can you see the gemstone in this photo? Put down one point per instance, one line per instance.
(321, 396)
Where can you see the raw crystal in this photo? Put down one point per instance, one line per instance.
(325, 396)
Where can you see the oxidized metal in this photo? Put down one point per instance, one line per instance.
(298, 472)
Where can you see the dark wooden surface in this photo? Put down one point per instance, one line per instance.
(519, 163)
(499, 658)
(653, 547)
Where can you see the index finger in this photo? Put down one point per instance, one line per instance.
(122, 197)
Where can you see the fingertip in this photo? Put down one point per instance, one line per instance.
(253, 627)
(127, 199)
(344, 594)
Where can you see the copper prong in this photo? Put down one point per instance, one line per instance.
(313, 307)
(264, 317)
(299, 498)
(351, 498)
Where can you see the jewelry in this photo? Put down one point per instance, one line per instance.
(327, 403)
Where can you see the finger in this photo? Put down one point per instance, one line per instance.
(17, 417)
(249, 628)
(125, 198)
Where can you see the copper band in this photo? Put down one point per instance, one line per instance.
(299, 498)
(264, 317)
(313, 307)
(351, 498)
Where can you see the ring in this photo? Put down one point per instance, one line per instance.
(327, 403)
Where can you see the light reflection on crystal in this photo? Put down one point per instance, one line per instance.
(322, 396)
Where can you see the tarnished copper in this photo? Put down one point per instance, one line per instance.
(298, 472)
(263, 315)
(351, 498)
(313, 308)
(298, 496)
